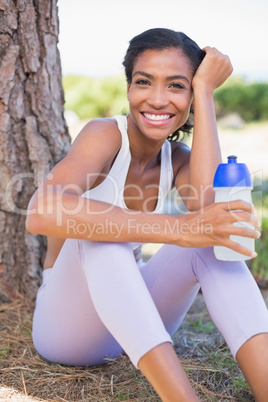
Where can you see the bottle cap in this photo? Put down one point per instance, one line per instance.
(232, 174)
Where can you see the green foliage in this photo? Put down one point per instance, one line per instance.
(249, 100)
(259, 266)
(95, 97)
(4, 352)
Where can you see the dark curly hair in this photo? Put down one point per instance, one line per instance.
(159, 39)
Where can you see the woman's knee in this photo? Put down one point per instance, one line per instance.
(103, 252)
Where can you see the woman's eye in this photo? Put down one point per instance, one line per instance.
(142, 82)
(177, 85)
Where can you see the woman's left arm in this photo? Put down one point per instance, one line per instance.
(205, 151)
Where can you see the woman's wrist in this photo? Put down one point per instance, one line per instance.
(172, 230)
(201, 90)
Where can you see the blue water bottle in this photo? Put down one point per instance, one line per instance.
(232, 181)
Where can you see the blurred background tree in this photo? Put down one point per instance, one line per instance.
(95, 97)
(248, 100)
(33, 132)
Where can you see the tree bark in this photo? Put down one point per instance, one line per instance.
(33, 132)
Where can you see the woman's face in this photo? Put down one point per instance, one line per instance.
(160, 93)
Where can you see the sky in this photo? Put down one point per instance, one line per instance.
(94, 34)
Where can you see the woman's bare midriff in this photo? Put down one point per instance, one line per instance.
(54, 245)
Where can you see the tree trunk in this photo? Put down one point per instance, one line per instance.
(33, 132)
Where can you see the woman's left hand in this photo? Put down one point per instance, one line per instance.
(213, 71)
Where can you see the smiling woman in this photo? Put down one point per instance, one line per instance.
(160, 92)
(98, 298)
(165, 40)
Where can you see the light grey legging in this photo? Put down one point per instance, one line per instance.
(97, 302)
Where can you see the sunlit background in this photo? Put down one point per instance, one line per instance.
(94, 35)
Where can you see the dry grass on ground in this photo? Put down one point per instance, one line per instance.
(27, 377)
(24, 376)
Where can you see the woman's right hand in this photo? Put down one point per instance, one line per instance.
(213, 226)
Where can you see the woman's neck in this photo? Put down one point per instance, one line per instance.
(145, 152)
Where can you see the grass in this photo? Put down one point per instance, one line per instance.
(25, 376)
(201, 326)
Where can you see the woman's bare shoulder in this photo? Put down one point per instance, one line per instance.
(98, 127)
(94, 148)
(99, 138)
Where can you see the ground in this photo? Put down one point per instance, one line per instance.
(26, 377)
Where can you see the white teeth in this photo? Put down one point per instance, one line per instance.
(157, 117)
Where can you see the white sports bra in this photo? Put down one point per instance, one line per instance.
(111, 189)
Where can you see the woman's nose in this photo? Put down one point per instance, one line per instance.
(158, 98)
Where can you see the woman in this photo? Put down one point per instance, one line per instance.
(103, 200)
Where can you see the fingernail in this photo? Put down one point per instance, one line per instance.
(254, 254)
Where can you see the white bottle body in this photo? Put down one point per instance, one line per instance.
(226, 194)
